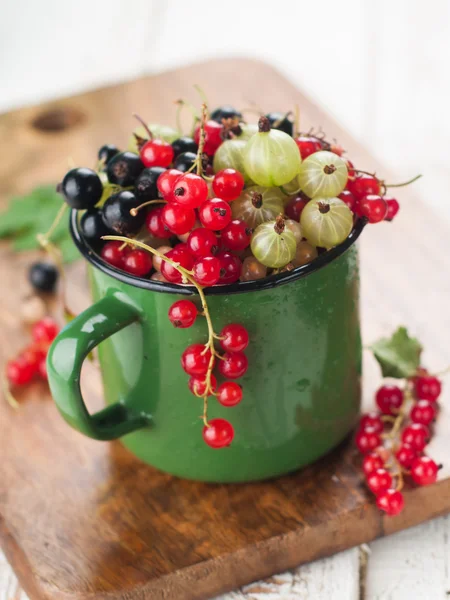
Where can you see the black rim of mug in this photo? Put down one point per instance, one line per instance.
(239, 287)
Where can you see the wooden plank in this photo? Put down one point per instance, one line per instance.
(93, 542)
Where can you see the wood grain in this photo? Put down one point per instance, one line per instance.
(83, 519)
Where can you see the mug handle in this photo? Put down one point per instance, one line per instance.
(65, 359)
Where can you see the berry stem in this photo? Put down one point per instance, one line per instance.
(201, 93)
(134, 211)
(201, 144)
(188, 275)
(389, 185)
(144, 125)
(56, 220)
(7, 393)
(181, 104)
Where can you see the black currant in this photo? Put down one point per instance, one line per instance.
(145, 187)
(184, 161)
(116, 213)
(284, 123)
(225, 112)
(107, 152)
(184, 144)
(124, 168)
(93, 227)
(81, 188)
(43, 276)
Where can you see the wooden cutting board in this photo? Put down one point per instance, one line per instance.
(81, 519)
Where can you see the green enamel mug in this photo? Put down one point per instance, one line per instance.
(301, 393)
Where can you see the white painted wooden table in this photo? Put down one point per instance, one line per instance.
(388, 81)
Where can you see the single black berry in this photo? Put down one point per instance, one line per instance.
(81, 188)
(93, 227)
(281, 121)
(184, 161)
(145, 187)
(124, 168)
(107, 152)
(43, 276)
(184, 144)
(225, 112)
(116, 213)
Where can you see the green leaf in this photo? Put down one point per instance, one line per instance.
(399, 355)
(34, 213)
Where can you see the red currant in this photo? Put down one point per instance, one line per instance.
(427, 387)
(112, 254)
(372, 462)
(156, 153)
(195, 360)
(363, 185)
(178, 219)
(213, 139)
(308, 145)
(373, 420)
(295, 206)
(389, 399)
(236, 235)
(234, 338)
(190, 190)
(424, 470)
(347, 197)
(42, 369)
(19, 371)
(392, 207)
(215, 214)
(166, 183)
(391, 502)
(228, 184)
(181, 255)
(207, 270)
(197, 385)
(33, 356)
(230, 267)
(229, 393)
(155, 225)
(405, 455)
(423, 412)
(45, 330)
(233, 365)
(137, 262)
(218, 433)
(373, 207)
(378, 481)
(367, 440)
(416, 435)
(202, 242)
(183, 313)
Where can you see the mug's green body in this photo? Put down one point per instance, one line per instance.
(301, 393)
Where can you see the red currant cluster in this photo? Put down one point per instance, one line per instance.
(393, 439)
(31, 361)
(198, 361)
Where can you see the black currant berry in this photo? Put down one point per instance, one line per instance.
(43, 276)
(145, 187)
(124, 168)
(283, 122)
(93, 227)
(81, 188)
(116, 213)
(225, 112)
(184, 161)
(184, 144)
(107, 152)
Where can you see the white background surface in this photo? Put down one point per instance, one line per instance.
(381, 67)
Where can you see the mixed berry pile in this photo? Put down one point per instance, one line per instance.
(394, 437)
(233, 201)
